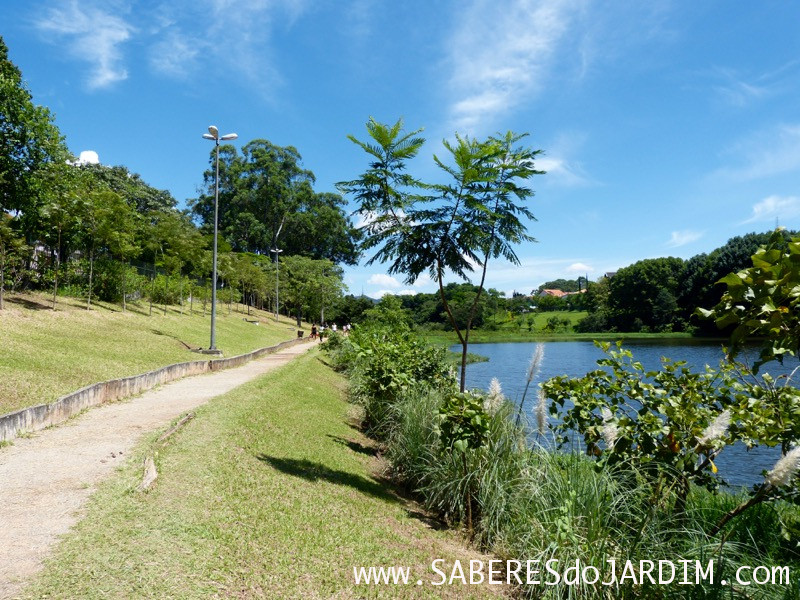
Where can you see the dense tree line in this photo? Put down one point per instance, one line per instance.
(102, 232)
(662, 294)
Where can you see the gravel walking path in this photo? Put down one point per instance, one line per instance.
(45, 479)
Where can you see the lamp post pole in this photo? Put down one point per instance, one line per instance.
(213, 134)
(277, 255)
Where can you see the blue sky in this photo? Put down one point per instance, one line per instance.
(668, 127)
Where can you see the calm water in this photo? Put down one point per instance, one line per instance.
(509, 363)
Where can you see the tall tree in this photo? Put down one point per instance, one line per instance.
(465, 224)
(28, 141)
(266, 200)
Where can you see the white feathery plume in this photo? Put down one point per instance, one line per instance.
(494, 400)
(533, 369)
(536, 361)
(541, 412)
(610, 429)
(785, 469)
(715, 430)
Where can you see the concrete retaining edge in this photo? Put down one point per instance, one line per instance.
(35, 418)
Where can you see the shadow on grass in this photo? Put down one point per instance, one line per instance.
(354, 446)
(29, 304)
(314, 471)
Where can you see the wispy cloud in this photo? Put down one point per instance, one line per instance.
(181, 38)
(681, 238)
(559, 171)
(358, 18)
(737, 92)
(93, 36)
(500, 55)
(221, 35)
(741, 90)
(176, 54)
(775, 207)
(763, 154)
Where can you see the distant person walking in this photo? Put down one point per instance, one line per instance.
(314, 331)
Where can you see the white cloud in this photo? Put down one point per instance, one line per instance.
(775, 207)
(579, 268)
(500, 54)
(763, 154)
(681, 238)
(384, 280)
(94, 36)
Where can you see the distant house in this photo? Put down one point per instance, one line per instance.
(610, 274)
(555, 293)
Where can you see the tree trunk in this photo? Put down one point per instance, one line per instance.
(125, 269)
(58, 266)
(91, 273)
(461, 338)
(153, 286)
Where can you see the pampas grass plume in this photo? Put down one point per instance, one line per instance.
(785, 469)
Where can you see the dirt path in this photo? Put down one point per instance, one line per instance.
(46, 479)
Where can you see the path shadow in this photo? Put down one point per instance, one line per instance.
(355, 446)
(314, 471)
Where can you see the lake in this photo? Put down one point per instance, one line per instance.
(509, 363)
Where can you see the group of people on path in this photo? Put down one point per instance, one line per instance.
(322, 331)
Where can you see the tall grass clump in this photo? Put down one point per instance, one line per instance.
(472, 460)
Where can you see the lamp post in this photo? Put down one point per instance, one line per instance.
(277, 254)
(213, 134)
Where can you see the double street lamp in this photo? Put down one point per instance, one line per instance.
(213, 134)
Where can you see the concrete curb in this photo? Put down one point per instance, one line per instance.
(38, 417)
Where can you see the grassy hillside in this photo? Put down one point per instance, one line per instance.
(267, 493)
(47, 353)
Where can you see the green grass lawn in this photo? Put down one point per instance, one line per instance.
(46, 354)
(267, 493)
